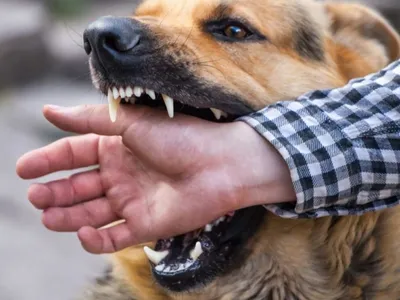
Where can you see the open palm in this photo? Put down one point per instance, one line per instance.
(163, 177)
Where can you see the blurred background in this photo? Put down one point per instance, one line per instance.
(42, 61)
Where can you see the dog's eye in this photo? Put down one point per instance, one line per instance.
(236, 32)
(233, 30)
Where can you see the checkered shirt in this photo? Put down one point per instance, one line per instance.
(342, 146)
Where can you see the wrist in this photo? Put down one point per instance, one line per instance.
(259, 173)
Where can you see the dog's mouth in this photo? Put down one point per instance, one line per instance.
(148, 97)
(194, 259)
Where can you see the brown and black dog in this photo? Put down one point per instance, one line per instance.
(237, 56)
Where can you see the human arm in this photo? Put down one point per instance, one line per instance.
(342, 146)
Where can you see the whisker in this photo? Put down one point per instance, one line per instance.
(68, 30)
(187, 38)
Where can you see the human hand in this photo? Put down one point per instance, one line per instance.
(163, 177)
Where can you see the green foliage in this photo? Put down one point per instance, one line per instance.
(65, 9)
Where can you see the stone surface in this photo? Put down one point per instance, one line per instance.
(384, 4)
(389, 8)
(37, 264)
(30, 19)
(23, 54)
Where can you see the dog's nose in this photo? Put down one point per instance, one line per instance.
(111, 37)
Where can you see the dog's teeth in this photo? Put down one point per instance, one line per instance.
(169, 103)
(126, 99)
(129, 92)
(115, 93)
(220, 220)
(224, 114)
(208, 228)
(151, 94)
(132, 100)
(138, 91)
(217, 113)
(113, 104)
(160, 267)
(122, 92)
(154, 256)
(196, 252)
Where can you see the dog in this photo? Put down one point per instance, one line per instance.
(219, 60)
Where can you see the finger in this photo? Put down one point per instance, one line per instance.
(67, 192)
(95, 213)
(92, 118)
(107, 240)
(65, 154)
(141, 129)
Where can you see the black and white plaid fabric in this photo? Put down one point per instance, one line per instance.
(342, 146)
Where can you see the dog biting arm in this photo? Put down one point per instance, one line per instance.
(342, 146)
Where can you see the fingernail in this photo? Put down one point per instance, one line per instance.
(54, 107)
(64, 109)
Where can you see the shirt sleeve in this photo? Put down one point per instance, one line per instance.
(342, 146)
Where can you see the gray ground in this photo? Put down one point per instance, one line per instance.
(36, 264)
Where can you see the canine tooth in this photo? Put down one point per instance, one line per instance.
(129, 92)
(224, 114)
(126, 99)
(217, 113)
(196, 252)
(208, 228)
(132, 100)
(181, 267)
(220, 220)
(151, 94)
(154, 256)
(160, 267)
(115, 92)
(169, 103)
(122, 92)
(113, 105)
(138, 91)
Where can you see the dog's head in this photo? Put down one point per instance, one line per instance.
(220, 59)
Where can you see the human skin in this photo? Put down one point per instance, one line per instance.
(163, 176)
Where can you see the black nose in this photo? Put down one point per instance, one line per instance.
(111, 37)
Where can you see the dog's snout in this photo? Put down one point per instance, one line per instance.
(112, 37)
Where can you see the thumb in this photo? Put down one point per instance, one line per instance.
(92, 119)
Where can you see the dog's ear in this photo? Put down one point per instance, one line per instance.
(364, 42)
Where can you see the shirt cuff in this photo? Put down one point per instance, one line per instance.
(320, 157)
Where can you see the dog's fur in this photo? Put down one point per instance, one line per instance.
(310, 46)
